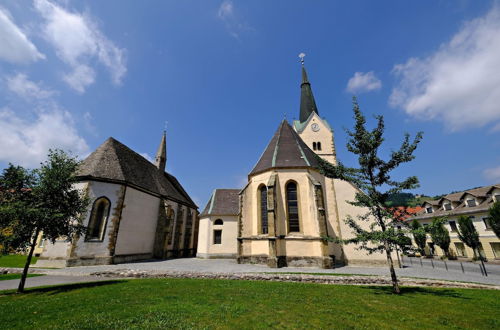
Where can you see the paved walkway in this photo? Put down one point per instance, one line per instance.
(230, 266)
(49, 280)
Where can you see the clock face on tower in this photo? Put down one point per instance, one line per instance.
(315, 127)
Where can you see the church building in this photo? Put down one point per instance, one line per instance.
(137, 211)
(288, 207)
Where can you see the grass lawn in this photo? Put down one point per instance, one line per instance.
(195, 303)
(5, 277)
(15, 260)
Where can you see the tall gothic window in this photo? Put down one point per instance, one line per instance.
(292, 204)
(98, 219)
(263, 209)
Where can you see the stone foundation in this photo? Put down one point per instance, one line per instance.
(216, 255)
(288, 261)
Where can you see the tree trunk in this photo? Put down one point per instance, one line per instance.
(20, 289)
(395, 285)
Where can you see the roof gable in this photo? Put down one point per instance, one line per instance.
(223, 202)
(286, 149)
(116, 162)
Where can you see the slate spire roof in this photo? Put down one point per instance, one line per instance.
(114, 162)
(307, 103)
(161, 154)
(285, 150)
(222, 202)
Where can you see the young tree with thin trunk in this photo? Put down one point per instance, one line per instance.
(439, 235)
(41, 201)
(468, 234)
(373, 178)
(419, 236)
(494, 218)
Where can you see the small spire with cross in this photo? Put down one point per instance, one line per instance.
(301, 56)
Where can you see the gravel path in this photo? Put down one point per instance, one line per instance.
(230, 266)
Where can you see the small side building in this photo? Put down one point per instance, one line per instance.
(137, 211)
(219, 225)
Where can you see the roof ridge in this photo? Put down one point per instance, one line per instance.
(276, 146)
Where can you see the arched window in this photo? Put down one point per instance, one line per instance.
(292, 204)
(314, 145)
(318, 145)
(218, 222)
(263, 209)
(98, 219)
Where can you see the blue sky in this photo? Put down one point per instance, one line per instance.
(223, 74)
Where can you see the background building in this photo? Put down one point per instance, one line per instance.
(473, 203)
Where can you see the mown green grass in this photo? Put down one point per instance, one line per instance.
(15, 260)
(210, 304)
(5, 277)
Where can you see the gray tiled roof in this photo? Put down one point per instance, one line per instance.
(286, 149)
(223, 202)
(113, 161)
(484, 202)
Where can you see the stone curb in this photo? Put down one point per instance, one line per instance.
(276, 277)
(303, 278)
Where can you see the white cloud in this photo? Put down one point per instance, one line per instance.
(459, 84)
(492, 174)
(20, 85)
(79, 42)
(26, 134)
(15, 47)
(147, 156)
(363, 82)
(27, 143)
(234, 25)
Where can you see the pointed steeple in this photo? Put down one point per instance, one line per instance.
(307, 103)
(161, 154)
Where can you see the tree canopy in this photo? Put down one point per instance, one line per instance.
(374, 179)
(43, 200)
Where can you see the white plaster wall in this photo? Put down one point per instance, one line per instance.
(97, 189)
(137, 229)
(346, 192)
(203, 235)
(229, 234)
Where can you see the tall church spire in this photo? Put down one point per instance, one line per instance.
(307, 103)
(161, 154)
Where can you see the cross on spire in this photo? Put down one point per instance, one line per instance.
(301, 56)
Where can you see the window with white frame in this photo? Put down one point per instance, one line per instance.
(486, 223)
(447, 206)
(453, 226)
(471, 202)
(428, 209)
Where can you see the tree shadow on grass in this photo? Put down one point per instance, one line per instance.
(410, 290)
(56, 289)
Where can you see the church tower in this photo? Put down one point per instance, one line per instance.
(161, 154)
(314, 130)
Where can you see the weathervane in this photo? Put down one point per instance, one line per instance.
(302, 55)
(166, 124)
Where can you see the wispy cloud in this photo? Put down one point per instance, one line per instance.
(28, 133)
(15, 47)
(234, 24)
(492, 174)
(20, 85)
(79, 43)
(458, 84)
(363, 82)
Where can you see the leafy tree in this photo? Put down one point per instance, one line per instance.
(44, 200)
(419, 235)
(372, 176)
(440, 235)
(468, 234)
(494, 218)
